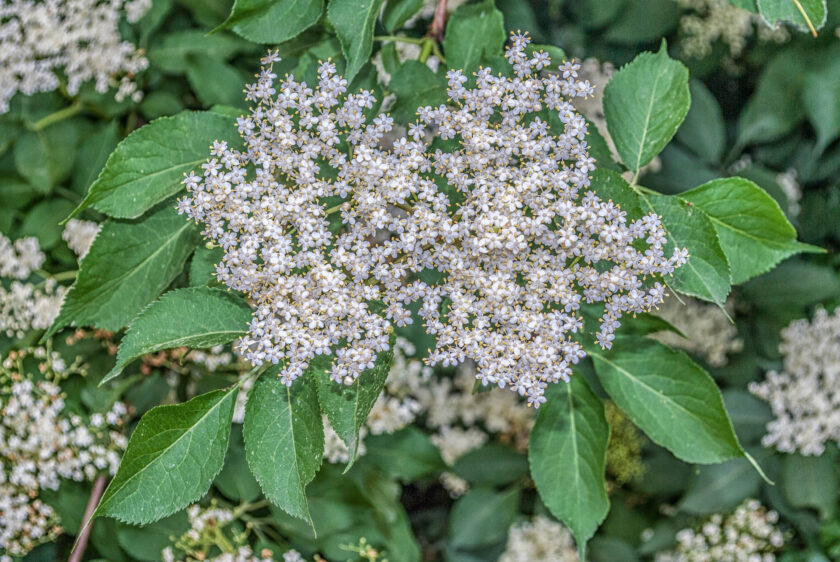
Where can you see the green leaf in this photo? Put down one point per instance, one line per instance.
(821, 98)
(754, 233)
(147, 542)
(474, 34)
(567, 453)
(721, 487)
(94, 153)
(812, 482)
(269, 21)
(148, 166)
(492, 464)
(215, 82)
(347, 406)
(407, 454)
(171, 459)
(775, 11)
(172, 55)
(415, 85)
(670, 398)
(203, 266)
(353, 21)
(284, 440)
(643, 22)
(706, 275)
(193, 317)
(235, 480)
(703, 130)
(794, 284)
(644, 104)
(775, 107)
(482, 517)
(128, 266)
(397, 12)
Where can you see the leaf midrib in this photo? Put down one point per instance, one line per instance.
(188, 431)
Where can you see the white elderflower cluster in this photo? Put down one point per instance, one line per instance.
(317, 236)
(708, 332)
(41, 444)
(539, 540)
(805, 395)
(20, 258)
(713, 20)
(42, 43)
(750, 533)
(25, 306)
(80, 235)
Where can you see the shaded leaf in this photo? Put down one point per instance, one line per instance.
(193, 317)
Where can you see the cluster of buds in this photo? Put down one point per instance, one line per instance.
(329, 233)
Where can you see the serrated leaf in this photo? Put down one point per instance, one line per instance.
(347, 406)
(669, 397)
(706, 275)
(192, 317)
(284, 440)
(172, 458)
(474, 34)
(148, 166)
(567, 451)
(353, 21)
(128, 266)
(775, 11)
(644, 104)
(753, 231)
(269, 21)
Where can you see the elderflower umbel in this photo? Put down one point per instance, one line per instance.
(40, 444)
(749, 533)
(41, 42)
(507, 232)
(712, 20)
(25, 306)
(805, 395)
(539, 540)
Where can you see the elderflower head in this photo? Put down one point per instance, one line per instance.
(750, 533)
(25, 306)
(539, 540)
(805, 395)
(41, 42)
(41, 444)
(712, 20)
(507, 231)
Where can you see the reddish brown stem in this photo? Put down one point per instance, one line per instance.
(439, 21)
(81, 543)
